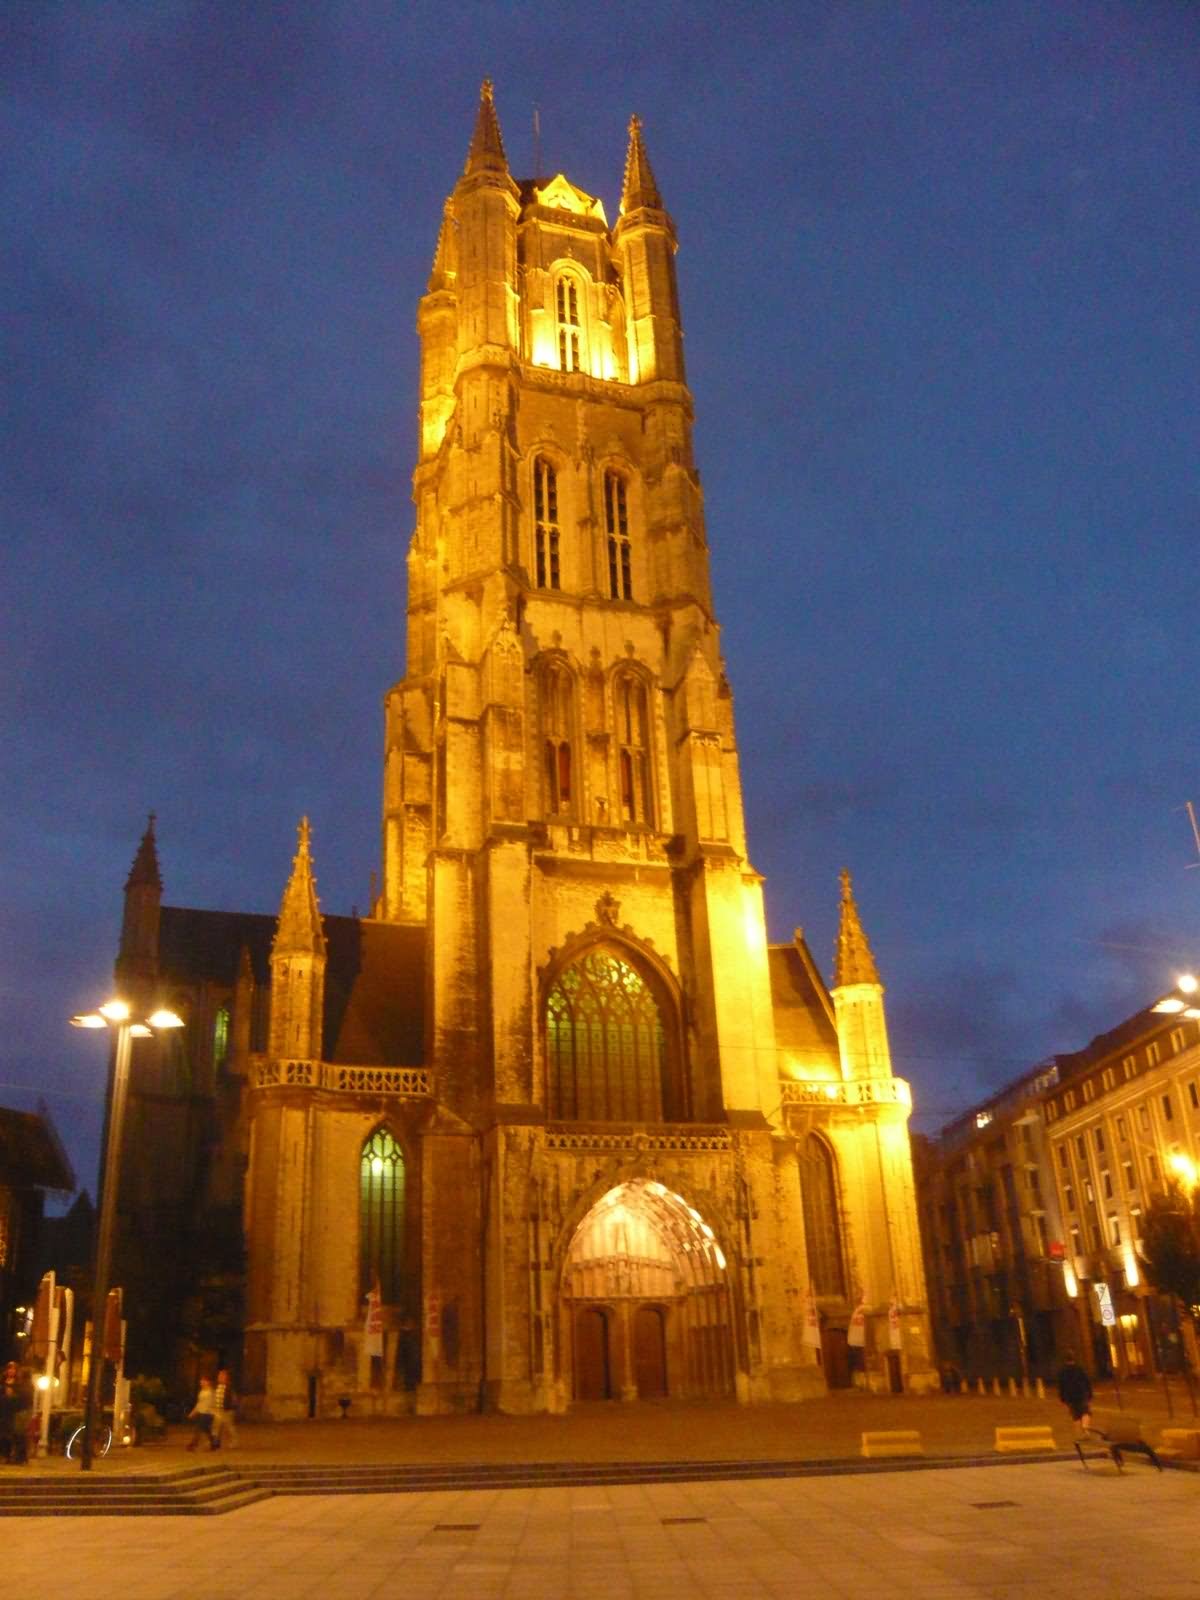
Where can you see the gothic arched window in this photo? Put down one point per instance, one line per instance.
(633, 748)
(616, 523)
(822, 1230)
(546, 527)
(557, 711)
(606, 1046)
(566, 315)
(381, 1211)
(220, 1036)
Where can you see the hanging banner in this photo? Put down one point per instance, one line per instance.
(812, 1321)
(114, 1326)
(894, 1338)
(373, 1340)
(856, 1335)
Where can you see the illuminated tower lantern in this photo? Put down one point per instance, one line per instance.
(591, 1135)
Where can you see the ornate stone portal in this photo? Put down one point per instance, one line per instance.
(556, 1105)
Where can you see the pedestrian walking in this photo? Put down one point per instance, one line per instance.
(1075, 1392)
(224, 1413)
(201, 1415)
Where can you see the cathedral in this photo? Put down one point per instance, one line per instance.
(554, 1122)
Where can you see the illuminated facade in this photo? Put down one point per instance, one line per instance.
(1123, 1120)
(592, 1134)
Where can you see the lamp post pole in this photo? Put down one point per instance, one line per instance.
(113, 1014)
(104, 1239)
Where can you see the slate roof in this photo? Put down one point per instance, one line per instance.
(803, 1016)
(374, 976)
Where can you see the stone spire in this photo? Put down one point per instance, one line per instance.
(640, 188)
(137, 956)
(853, 961)
(299, 930)
(144, 873)
(487, 147)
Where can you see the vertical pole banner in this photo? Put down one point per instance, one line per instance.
(856, 1335)
(373, 1331)
(894, 1337)
(812, 1322)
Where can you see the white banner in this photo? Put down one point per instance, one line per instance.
(856, 1336)
(894, 1337)
(812, 1322)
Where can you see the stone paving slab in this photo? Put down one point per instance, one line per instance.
(995, 1533)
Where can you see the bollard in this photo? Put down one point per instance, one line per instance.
(963, 1386)
(892, 1442)
(1023, 1441)
(996, 1387)
(1012, 1388)
(1041, 1390)
(980, 1386)
(1024, 1388)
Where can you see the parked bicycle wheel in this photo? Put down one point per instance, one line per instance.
(101, 1447)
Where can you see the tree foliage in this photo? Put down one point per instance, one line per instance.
(1171, 1245)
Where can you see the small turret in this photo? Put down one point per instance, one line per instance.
(645, 244)
(858, 997)
(298, 963)
(137, 958)
(486, 152)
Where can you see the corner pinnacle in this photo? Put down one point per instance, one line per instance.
(853, 961)
(144, 870)
(299, 930)
(486, 153)
(640, 188)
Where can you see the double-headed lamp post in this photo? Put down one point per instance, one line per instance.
(116, 1014)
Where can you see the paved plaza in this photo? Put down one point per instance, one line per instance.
(1047, 1530)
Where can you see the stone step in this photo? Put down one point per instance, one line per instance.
(148, 1507)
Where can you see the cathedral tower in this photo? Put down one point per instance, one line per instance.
(555, 1122)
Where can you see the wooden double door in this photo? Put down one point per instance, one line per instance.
(619, 1351)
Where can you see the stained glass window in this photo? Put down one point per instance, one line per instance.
(605, 1045)
(381, 1217)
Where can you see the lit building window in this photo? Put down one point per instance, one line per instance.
(557, 718)
(220, 1036)
(546, 528)
(606, 1048)
(633, 748)
(381, 1249)
(616, 522)
(822, 1233)
(566, 310)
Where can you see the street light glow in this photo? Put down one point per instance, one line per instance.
(1186, 983)
(165, 1019)
(1169, 1006)
(115, 1010)
(88, 1019)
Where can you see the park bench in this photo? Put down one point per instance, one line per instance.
(1115, 1437)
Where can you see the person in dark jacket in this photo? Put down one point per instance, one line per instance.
(1075, 1392)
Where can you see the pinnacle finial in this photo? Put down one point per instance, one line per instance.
(299, 929)
(853, 961)
(640, 188)
(486, 153)
(144, 870)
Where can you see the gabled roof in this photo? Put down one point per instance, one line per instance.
(803, 1013)
(204, 946)
(30, 1154)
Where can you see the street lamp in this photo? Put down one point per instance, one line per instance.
(1184, 1001)
(119, 1015)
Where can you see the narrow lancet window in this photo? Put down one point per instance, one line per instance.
(822, 1229)
(633, 748)
(545, 515)
(616, 522)
(381, 1251)
(557, 701)
(566, 304)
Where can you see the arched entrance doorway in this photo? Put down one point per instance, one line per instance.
(646, 1300)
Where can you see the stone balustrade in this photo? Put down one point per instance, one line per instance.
(401, 1082)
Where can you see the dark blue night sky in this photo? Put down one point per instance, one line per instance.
(938, 266)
